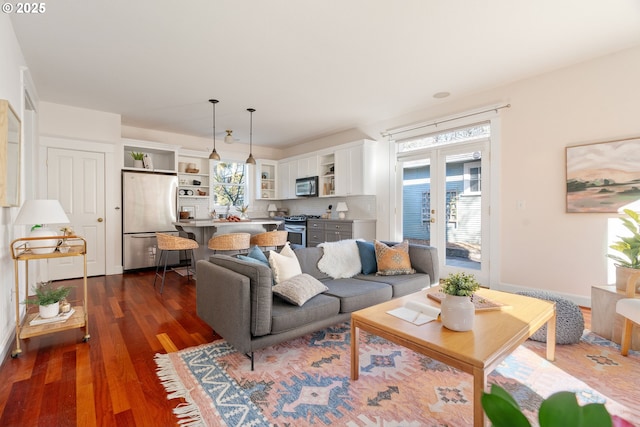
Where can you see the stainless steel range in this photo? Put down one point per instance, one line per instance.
(296, 226)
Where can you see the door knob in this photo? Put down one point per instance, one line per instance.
(100, 219)
(433, 220)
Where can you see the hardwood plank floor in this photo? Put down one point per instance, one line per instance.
(110, 381)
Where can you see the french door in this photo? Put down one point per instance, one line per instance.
(444, 202)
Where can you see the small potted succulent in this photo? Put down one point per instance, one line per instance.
(137, 159)
(629, 247)
(457, 309)
(48, 298)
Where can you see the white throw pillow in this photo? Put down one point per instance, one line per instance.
(341, 259)
(299, 289)
(284, 265)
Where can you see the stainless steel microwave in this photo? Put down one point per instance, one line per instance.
(307, 187)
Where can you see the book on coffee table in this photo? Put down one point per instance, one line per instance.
(481, 303)
(416, 313)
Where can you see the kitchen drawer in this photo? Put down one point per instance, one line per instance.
(314, 224)
(339, 226)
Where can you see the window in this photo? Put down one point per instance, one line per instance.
(229, 185)
(472, 177)
(471, 133)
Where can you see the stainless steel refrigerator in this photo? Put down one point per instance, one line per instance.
(148, 205)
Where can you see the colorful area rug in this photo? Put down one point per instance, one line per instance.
(307, 382)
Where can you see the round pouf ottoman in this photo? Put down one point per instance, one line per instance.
(569, 319)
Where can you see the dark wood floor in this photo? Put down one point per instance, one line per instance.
(111, 380)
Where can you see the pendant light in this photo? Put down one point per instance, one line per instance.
(229, 138)
(250, 159)
(214, 154)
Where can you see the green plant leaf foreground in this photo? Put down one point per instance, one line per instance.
(558, 410)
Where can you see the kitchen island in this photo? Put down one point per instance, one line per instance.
(204, 229)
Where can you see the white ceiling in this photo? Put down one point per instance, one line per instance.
(311, 68)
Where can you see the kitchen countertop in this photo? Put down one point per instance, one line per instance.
(217, 223)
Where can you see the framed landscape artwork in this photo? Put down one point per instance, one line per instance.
(603, 177)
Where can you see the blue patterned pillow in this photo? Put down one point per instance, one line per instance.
(367, 257)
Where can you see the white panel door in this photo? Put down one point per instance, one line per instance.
(76, 179)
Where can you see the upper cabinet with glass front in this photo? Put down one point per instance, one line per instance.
(9, 155)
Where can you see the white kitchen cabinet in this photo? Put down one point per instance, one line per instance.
(160, 157)
(266, 180)
(354, 170)
(307, 166)
(286, 179)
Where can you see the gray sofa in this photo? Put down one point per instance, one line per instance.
(235, 297)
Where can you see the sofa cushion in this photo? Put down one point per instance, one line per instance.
(260, 282)
(393, 260)
(367, 257)
(285, 264)
(341, 259)
(401, 284)
(299, 289)
(308, 259)
(286, 317)
(357, 294)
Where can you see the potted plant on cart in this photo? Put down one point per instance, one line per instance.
(457, 309)
(629, 247)
(48, 298)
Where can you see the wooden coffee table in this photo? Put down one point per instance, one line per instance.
(495, 335)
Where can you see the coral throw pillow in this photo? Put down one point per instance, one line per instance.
(394, 260)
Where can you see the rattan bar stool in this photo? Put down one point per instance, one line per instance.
(187, 235)
(230, 243)
(271, 239)
(168, 243)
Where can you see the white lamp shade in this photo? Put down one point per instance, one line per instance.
(342, 207)
(41, 212)
(272, 208)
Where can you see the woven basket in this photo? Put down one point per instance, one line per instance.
(167, 242)
(270, 238)
(230, 242)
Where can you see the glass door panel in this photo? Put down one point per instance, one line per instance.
(443, 205)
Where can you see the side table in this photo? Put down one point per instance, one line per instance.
(604, 320)
(20, 251)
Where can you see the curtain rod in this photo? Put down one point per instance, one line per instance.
(436, 123)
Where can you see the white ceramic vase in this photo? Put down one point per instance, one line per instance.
(138, 164)
(457, 313)
(49, 311)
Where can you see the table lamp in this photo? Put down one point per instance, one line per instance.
(40, 213)
(341, 209)
(272, 210)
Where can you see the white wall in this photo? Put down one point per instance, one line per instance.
(11, 90)
(542, 246)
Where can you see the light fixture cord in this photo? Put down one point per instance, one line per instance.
(251, 110)
(214, 126)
